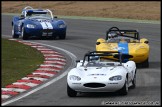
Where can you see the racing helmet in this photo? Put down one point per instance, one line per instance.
(112, 35)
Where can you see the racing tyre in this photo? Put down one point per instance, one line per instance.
(63, 36)
(145, 63)
(71, 92)
(124, 90)
(134, 81)
(53, 37)
(13, 33)
(23, 34)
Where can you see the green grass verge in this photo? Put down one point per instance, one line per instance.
(18, 60)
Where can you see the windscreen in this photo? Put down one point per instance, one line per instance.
(37, 14)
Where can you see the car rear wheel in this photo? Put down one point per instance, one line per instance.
(23, 34)
(124, 90)
(13, 33)
(145, 63)
(71, 92)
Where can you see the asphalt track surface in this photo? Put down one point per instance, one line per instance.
(81, 38)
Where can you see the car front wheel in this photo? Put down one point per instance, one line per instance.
(134, 81)
(23, 34)
(71, 92)
(63, 36)
(124, 90)
(13, 33)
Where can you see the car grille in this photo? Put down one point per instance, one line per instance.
(47, 30)
(94, 85)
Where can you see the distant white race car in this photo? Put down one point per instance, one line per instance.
(95, 74)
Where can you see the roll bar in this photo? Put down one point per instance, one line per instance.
(115, 54)
(50, 13)
(24, 12)
(27, 7)
(135, 32)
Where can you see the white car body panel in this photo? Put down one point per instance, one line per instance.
(101, 75)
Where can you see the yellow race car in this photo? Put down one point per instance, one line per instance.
(126, 42)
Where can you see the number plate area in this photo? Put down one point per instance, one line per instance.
(47, 32)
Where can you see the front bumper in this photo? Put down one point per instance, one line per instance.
(110, 86)
(45, 32)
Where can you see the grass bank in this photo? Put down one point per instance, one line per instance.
(18, 60)
(142, 10)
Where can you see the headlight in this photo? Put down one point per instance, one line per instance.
(73, 77)
(115, 78)
(30, 26)
(62, 25)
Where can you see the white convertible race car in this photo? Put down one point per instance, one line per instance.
(96, 74)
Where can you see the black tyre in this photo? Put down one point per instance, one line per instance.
(23, 34)
(13, 33)
(71, 92)
(124, 90)
(63, 36)
(53, 37)
(134, 81)
(145, 63)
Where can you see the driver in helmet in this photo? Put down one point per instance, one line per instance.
(112, 36)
